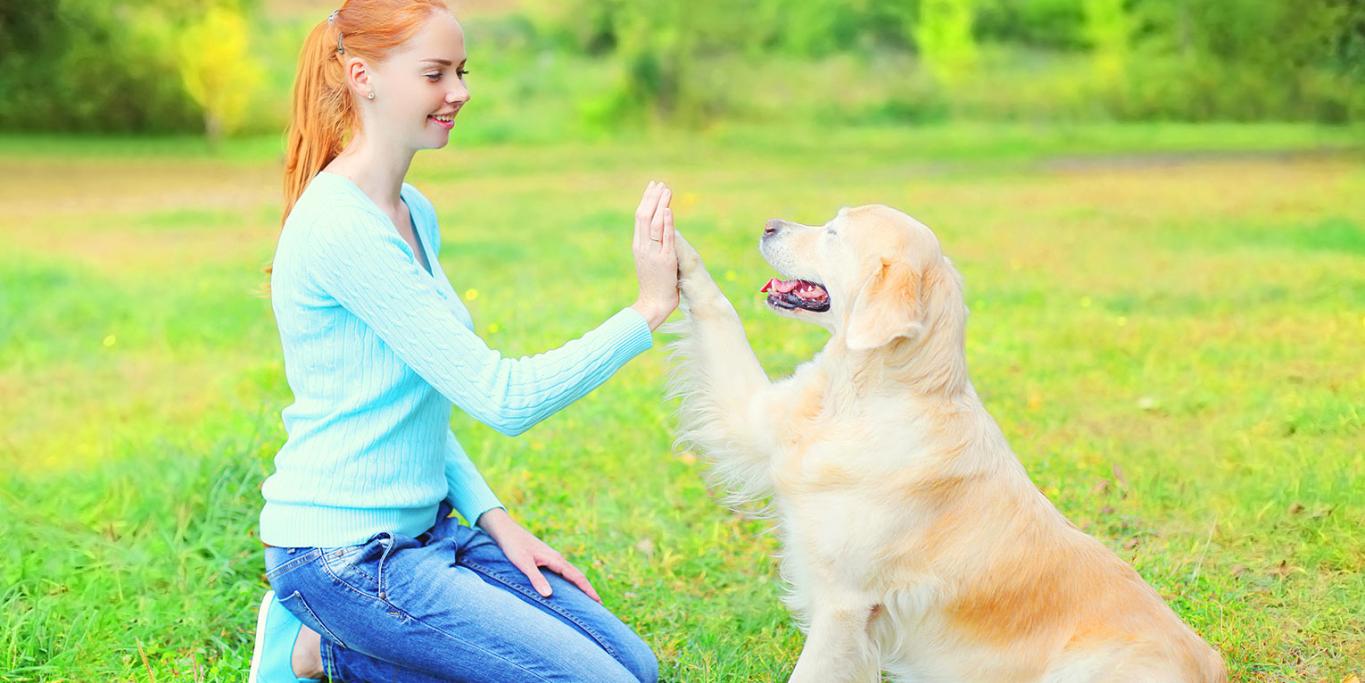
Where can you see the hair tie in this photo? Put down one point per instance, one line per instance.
(332, 19)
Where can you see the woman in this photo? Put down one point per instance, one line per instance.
(375, 581)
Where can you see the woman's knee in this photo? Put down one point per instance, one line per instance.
(636, 656)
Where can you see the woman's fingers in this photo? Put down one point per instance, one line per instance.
(656, 222)
(527, 565)
(557, 564)
(642, 214)
(563, 568)
(645, 213)
(647, 201)
(669, 231)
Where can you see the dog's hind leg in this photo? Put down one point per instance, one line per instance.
(839, 647)
(722, 386)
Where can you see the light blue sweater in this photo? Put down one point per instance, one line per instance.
(376, 349)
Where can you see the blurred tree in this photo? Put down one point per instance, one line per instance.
(676, 56)
(1058, 24)
(218, 69)
(1245, 59)
(943, 36)
(97, 65)
(815, 28)
(1108, 29)
(664, 49)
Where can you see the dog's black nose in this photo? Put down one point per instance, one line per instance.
(771, 227)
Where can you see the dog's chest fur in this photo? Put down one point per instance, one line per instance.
(839, 465)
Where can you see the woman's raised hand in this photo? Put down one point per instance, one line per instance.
(656, 260)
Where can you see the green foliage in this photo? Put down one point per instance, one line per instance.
(87, 65)
(821, 28)
(1163, 59)
(97, 65)
(113, 65)
(1246, 60)
(664, 54)
(943, 36)
(1108, 29)
(1058, 24)
(681, 61)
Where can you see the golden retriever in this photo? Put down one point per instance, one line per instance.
(913, 540)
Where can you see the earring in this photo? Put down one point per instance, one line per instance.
(371, 95)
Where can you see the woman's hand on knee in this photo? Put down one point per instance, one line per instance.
(528, 553)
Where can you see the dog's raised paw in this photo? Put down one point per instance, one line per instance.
(689, 261)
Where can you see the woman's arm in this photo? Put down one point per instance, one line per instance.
(466, 489)
(361, 263)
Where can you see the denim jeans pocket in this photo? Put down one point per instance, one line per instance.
(286, 560)
(295, 603)
(360, 567)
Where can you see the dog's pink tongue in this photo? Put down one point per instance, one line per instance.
(780, 285)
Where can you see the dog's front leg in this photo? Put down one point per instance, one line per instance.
(723, 388)
(839, 647)
(714, 326)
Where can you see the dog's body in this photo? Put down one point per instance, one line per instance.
(913, 540)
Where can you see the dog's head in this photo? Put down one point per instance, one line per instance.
(872, 275)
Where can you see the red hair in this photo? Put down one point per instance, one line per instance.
(323, 112)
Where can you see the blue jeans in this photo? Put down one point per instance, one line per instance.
(449, 606)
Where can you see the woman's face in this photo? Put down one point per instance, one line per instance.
(419, 87)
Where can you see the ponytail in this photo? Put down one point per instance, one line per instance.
(322, 114)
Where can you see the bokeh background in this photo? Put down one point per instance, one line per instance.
(1157, 206)
(223, 66)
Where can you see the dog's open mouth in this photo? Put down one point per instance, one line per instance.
(793, 294)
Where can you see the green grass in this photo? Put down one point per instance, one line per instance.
(1167, 321)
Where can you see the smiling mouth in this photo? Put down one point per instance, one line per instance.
(447, 121)
(797, 294)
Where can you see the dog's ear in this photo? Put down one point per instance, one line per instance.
(888, 307)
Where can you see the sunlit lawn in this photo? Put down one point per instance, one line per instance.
(1171, 339)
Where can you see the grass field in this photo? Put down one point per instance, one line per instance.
(1167, 322)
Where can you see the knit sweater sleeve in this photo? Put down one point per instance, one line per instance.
(359, 260)
(468, 492)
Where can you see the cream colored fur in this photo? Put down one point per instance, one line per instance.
(913, 541)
